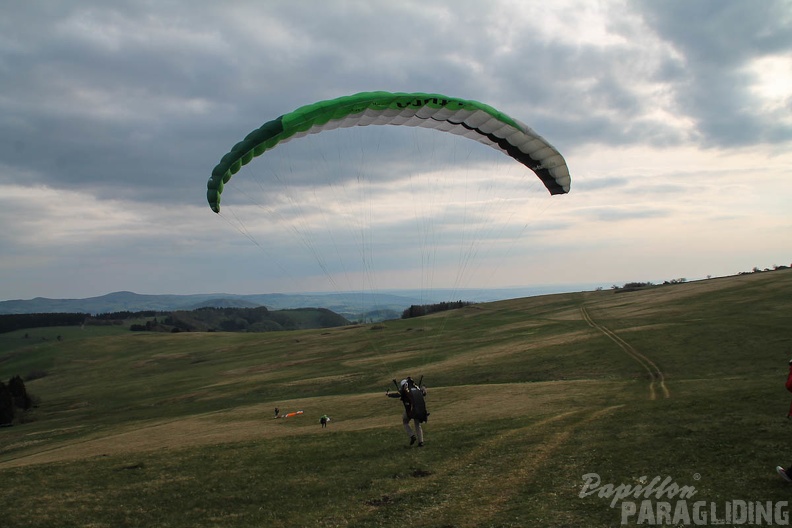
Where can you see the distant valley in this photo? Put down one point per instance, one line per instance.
(352, 305)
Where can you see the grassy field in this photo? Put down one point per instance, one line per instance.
(526, 397)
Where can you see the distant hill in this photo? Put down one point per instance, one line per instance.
(353, 306)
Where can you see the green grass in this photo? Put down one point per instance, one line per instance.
(526, 397)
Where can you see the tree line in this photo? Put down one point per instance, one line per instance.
(258, 319)
(418, 310)
(206, 319)
(11, 322)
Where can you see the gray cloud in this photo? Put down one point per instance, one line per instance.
(161, 95)
(125, 107)
(718, 40)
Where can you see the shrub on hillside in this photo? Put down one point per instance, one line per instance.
(19, 393)
(16, 402)
(6, 405)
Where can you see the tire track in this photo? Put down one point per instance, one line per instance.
(656, 376)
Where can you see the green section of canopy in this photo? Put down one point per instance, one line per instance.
(471, 119)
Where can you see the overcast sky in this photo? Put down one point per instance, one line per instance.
(675, 118)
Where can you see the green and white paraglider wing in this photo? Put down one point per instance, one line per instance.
(462, 117)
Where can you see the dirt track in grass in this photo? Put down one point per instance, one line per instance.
(656, 376)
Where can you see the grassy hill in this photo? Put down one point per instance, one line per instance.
(527, 396)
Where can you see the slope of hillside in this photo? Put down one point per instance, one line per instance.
(527, 397)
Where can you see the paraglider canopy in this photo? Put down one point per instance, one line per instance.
(471, 119)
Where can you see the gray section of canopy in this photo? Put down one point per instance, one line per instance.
(477, 125)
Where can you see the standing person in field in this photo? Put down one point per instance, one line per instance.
(323, 420)
(412, 397)
(786, 474)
